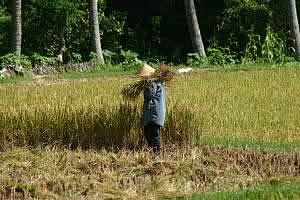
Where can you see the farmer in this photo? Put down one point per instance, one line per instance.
(154, 108)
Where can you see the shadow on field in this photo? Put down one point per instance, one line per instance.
(93, 127)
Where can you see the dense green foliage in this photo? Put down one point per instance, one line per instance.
(233, 31)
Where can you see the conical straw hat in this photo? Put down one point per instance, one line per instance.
(145, 71)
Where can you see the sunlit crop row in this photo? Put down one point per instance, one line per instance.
(262, 106)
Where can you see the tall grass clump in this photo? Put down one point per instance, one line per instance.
(274, 50)
(90, 126)
(89, 114)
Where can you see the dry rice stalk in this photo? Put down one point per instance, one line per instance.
(133, 90)
(162, 74)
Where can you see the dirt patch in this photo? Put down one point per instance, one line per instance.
(46, 80)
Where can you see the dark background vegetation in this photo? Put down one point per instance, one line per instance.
(154, 29)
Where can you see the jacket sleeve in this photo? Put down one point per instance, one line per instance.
(150, 94)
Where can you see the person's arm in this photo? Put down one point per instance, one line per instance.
(150, 94)
(150, 91)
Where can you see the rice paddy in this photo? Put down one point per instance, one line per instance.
(79, 139)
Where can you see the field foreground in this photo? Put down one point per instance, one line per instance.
(53, 173)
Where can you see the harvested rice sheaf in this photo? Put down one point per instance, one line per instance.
(133, 90)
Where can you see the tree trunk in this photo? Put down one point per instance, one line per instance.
(193, 26)
(17, 27)
(293, 21)
(95, 33)
(62, 43)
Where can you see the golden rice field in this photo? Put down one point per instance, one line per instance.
(78, 139)
(255, 106)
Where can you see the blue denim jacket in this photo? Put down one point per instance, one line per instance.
(154, 109)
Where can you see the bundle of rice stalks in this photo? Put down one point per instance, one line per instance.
(132, 91)
(163, 74)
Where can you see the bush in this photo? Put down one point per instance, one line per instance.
(195, 59)
(109, 57)
(220, 56)
(216, 56)
(130, 60)
(37, 59)
(12, 59)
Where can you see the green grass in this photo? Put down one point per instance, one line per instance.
(261, 192)
(95, 74)
(15, 80)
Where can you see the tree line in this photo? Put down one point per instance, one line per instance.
(166, 31)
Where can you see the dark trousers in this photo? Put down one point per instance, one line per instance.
(152, 135)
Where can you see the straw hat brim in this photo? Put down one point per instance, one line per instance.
(145, 71)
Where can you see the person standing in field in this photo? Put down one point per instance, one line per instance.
(154, 108)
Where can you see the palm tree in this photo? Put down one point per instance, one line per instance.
(17, 27)
(293, 21)
(193, 26)
(95, 33)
